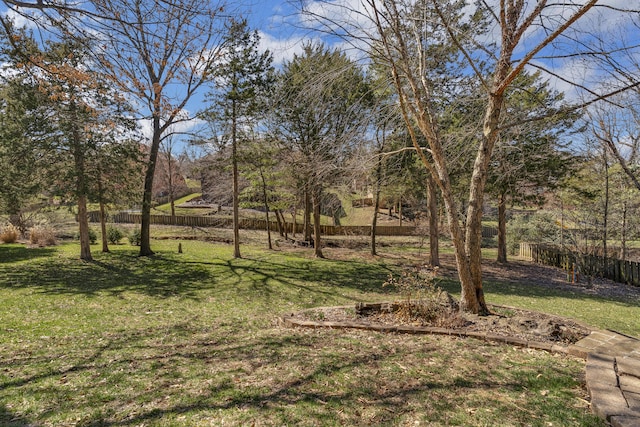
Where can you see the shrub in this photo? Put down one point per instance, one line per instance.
(9, 234)
(423, 300)
(538, 227)
(42, 235)
(93, 236)
(135, 237)
(114, 235)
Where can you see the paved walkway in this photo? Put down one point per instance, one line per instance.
(613, 376)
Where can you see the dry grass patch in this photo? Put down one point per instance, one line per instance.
(9, 234)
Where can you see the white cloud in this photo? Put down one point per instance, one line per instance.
(181, 129)
(282, 49)
(23, 17)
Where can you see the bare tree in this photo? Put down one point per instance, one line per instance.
(411, 35)
(170, 171)
(616, 126)
(160, 53)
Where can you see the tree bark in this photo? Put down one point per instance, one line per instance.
(281, 230)
(473, 236)
(317, 239)
(83, 225)
(623, 237)
(294, 218)
(307, 216)
(236, 198)
(266, 210)
(145, 220)
(103, 225)
(502, 229)
(81, 190)
(434, 232)
(283, 222)
(605, 219)
(374, 219)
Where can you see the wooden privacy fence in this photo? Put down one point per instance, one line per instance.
(253, 224)
(618, 270)
(261, 224)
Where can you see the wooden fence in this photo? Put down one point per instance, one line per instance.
(261, 224)
(618, 270)
(253, 224)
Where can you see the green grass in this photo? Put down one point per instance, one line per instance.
(194, 339)
(166, 208)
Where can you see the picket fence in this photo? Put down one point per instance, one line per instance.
(618, 270)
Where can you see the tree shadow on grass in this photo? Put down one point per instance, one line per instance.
(153, 375)
(8, 419)
(10, 253)
(166, 275)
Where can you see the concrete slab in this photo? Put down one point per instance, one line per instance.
(628, 366)
(606, 400)
(625, 421)
(629, 384)
(633, 400)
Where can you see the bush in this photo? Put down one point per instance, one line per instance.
(93, 236)
(42, 235)
(114, 235)
(423, 299)
(9, 234)
(539, 227)
(135, 237)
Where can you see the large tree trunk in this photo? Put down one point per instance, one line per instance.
(434, 232)
(376, 200)
(281, 230)
(236, 198)
(374, 219)
(502, 229)
(473, 247)
(294, 220)
(605, 219)
(623, 237)
(266, 210)
(145, 221)
(103, 227)
(317, 232)
(81, 192)
(307, 216)
(83, 225)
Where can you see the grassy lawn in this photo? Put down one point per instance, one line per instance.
(194, 339)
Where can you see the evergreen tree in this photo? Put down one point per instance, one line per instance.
(318, 117)
(240, 83)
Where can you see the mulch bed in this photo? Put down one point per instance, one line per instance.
(510, 322)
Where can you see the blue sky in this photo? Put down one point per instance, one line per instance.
(274, 19)
(282, 34)
(278, 26)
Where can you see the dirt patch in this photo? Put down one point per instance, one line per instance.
(503, 321)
